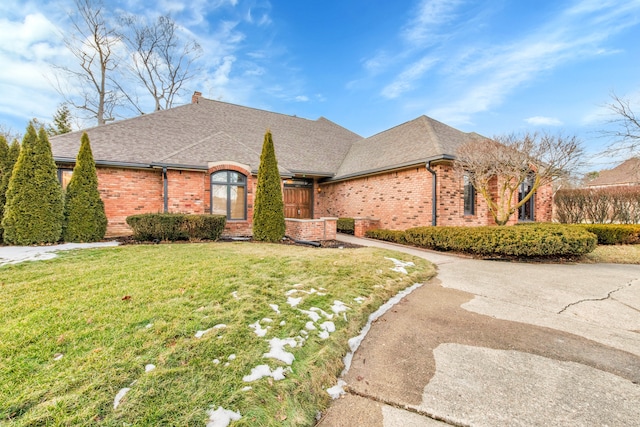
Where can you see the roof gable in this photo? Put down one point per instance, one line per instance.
(627, 173)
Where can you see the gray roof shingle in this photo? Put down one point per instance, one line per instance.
(626, 173)
(195, 134)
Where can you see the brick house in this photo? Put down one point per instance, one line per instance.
(203, 157)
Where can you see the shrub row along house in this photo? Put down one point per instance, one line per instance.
(203, 157)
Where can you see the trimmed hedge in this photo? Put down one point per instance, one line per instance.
(614, 234)
(544, 240)
(172, 227)
(346, 225)
(395, 236)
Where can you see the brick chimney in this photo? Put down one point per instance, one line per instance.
(195, 96)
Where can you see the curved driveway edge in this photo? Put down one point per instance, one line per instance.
(491, 343)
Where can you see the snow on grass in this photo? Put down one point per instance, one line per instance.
(17, 254)
(58, 356)
(259, 331)
(277, 351)
(149, 367)
(324, 313)
(312, 314)
(221, 417)
(400, 266)
(310, 326)
(119, 396)
(338, 307)
(231, 357)
(293, 302)
(262, 371)
(275, 308)
(235, 294)
(359, 300)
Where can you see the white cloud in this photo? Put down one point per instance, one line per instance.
(543, 121)
(430, 15)
(301, 98)
(405, 81)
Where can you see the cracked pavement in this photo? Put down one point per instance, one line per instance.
(490, 343)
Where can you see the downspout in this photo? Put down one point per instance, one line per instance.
(434, 195)
(165, 189)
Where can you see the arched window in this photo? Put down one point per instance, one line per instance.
(229, 194)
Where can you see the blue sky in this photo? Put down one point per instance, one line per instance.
(491, 67)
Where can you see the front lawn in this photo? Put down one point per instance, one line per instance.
(615, 254)
(180, 330)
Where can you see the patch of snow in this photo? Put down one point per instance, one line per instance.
(277, 350)
(149, 325)
(338, 307)
(400, 266)
(216, 361)
(283, 323)
(328, 326)
(323, 335)
(221, 417)
(359, 300)
(235, 294)
(290, 292)
(262, 371)
(294, 301)
(199, 334)
(119, 396)
(337, 390)
(226, 364)
(310, 326)
(267, 320)
(219, 326)
(259, 331)
(231, 357)
(303, 332)
(247, 388)
(58, 356)
(150, 367)
(275, 308)
(324, 313)
(312, 314)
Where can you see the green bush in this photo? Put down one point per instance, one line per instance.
(395, 236)
(84, 217)
(614, 234)
(172, 227)
(535, 240)
(34, 205)
(346, 225)
(268, 207)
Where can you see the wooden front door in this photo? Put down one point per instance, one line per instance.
(297, 202)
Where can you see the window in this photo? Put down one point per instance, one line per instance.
(64, 176)
(469, 197)
(229, 194)
(525, 213)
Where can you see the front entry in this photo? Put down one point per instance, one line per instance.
(298, 198)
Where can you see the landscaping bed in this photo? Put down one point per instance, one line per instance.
(174, 334)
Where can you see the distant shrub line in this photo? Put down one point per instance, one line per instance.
(173, 227)
(598, 206)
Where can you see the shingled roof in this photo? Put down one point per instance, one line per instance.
(192, 135)
(411, 143)
(627, 173)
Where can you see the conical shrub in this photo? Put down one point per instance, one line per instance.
(268, 211)
(84, 217)
(34, 206)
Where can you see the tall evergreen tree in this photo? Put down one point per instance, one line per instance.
(84, 217)
(7, 167)
(268, 207)
(4, 157)
(61, 121)
(34, 208)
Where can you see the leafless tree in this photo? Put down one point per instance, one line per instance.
(93, 42)
(626, 132)
(498, 167)
(159, 59)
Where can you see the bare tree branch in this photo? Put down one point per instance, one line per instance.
(93, 44)
(626, 134)
(160, 60)
(498, 167)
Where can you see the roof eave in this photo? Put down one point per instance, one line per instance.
(377, 171)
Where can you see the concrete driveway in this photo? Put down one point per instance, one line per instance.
(491, 343)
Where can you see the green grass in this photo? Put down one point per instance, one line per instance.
(95, 306)
(616, 254)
